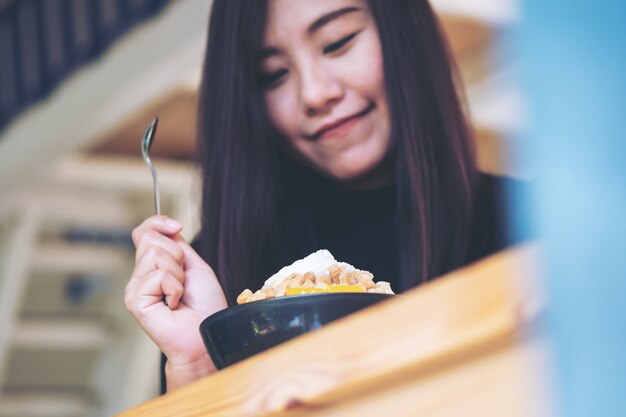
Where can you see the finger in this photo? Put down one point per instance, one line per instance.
(173, 290)
(152, 289)
(158, 223)
(155, 258)
(152, 238)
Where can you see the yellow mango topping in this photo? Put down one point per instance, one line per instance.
(330, 288)
(303, 290)
(346, 288)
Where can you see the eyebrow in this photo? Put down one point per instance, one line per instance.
(330, 17)
(315, 26)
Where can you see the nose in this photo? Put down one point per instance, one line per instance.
(320, 90)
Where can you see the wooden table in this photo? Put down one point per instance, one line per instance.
(462, 345)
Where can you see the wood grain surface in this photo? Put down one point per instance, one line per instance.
(458, 344)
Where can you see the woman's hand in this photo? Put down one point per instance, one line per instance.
(170, 292)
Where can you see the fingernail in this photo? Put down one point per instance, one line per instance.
(173, 224)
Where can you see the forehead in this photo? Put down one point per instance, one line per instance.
(288, 18)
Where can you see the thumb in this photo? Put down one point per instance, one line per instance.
(191, 258)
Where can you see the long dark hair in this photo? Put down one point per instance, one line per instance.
(246, 226)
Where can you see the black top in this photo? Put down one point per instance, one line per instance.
(357, 227)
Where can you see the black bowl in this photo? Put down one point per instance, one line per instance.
(241, 331)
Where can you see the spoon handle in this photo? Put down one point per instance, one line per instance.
(157, 196)
(146, 143)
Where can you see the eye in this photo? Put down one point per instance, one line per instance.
(339, 44)
(271, 79)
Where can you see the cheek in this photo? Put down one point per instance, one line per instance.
(282, 110)
(364, 72)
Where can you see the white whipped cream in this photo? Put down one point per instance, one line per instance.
(318, 262)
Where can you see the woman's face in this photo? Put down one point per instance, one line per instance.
(321, 72)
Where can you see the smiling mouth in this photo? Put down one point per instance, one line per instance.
(340, 122)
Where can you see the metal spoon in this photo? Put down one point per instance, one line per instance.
(146, 143)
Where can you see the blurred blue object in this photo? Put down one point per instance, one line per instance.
(88, 235)
(574, 57)
(44, 41)
(81, 289)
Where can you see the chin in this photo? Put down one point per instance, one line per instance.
(354, 171)
(348, 173)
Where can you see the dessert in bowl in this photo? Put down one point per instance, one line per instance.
(301, 297)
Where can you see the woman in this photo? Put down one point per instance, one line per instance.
(329, 124)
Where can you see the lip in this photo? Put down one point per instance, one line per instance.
(332, 128)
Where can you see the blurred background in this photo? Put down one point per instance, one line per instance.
(79, 82)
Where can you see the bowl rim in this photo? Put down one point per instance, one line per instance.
(291, 299)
